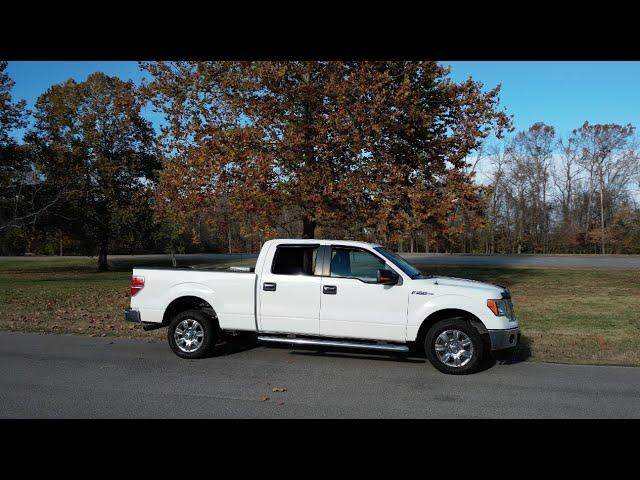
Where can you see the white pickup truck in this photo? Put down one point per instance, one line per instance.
(327, 293)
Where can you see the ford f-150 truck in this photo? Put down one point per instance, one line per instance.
(332, 294)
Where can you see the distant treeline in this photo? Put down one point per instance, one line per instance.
(377, 151)
(573, 195)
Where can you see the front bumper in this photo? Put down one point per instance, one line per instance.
(131, 315)
(501, 339)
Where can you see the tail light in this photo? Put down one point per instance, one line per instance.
(137, 284)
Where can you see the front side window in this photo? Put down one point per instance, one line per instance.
(352, 263)
(294, 260)
(400, 262)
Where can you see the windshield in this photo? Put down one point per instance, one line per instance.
(399, 262)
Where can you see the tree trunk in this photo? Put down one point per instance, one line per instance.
(102, 257)
(586, 229)
(602, 214)
(492, 240)
(308, 228)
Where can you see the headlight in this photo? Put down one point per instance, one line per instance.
(500, 308)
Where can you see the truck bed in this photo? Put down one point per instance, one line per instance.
(231, 290)
(234, 269)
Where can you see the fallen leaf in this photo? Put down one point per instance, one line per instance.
(279, 389)
(264, 398)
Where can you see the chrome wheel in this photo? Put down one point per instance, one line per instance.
(454, 348)
(189, 335)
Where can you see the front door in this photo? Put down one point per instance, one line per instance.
(353, 305)
(289, 291)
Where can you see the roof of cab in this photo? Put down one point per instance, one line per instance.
(322, 241)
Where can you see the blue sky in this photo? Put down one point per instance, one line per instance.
(563, 94)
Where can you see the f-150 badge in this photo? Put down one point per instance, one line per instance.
(420, 292)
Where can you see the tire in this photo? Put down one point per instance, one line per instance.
(200, 334)
(448, 357)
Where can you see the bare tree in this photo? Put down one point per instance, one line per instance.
(496, 204)
(607, 154)
(565, 173)
(529, 157)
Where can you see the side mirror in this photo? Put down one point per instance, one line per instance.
(387, 277)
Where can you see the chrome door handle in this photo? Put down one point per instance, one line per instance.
(269, 286)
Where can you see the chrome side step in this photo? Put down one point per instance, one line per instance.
(389, 347)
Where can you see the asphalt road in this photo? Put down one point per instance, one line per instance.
(58, 376)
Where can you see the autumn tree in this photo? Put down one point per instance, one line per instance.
(269, 142)
(24, 198)
(328, 145)
(92, 143)
(421, 130)
(13, 165)
(12, 114)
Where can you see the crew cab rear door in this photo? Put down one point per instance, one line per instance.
(289, 290)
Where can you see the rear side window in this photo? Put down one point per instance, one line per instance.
(294, 260)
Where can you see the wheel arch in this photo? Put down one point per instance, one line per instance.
(449, 313)
(186, 302)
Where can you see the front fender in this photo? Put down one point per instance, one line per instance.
(420, 309)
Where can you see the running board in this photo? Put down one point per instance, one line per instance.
(389, 347)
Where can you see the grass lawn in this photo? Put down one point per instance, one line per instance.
(70, 296)
(570, 315)
(567, 315)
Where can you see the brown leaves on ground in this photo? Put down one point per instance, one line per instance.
(264, 398)
(68, 302)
